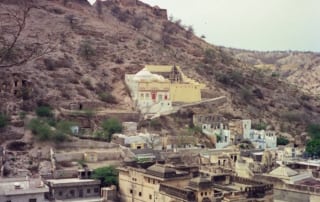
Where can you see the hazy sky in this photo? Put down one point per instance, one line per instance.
(251, 24)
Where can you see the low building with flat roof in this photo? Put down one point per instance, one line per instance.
(75, 189)
(72, 188)
(22, 190)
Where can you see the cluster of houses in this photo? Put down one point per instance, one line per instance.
(232, 132)
(155, 167)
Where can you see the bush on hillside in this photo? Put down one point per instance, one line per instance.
(44, 132)
(107, 97)
(44, 111)
(40, 129)
(259, 126)
(246, 94)
(282, 140)
(86, 50)
(111, 126)
(3, 120)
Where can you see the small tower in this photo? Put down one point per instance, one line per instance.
(175, 75)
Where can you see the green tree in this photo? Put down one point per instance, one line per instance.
(65, 126)
(43, 131)
(111, 126)
(313, 147)
(3, 120)
(282, 140)
(314, 130)
(40, 128)
(44, 111)
(59, 137)
(108, 175)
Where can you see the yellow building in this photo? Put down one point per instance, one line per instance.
(166, 183)
(182, 88)
(155, 88)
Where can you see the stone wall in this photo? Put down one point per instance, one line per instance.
(287, 195)
(92, 155)
(199, 119)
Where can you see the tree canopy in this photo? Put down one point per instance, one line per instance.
(282, 140)
(111, 126)
(108, 175)
(313, 145)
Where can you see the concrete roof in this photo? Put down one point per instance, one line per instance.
(69, 180)
(161, 169)
(26, 186)
(72, 182)
(283, 171)
(93, 199)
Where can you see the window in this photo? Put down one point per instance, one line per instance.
(96, 190)
(153, 181)
(33, 200)
(140, 194)
(153, 96)
(131, 191)
(60, 193)
(72, 192)
(148, 180)
(201, 193)
(150, 196)
(88, 191)
(205, 193)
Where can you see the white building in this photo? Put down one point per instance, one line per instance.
(220, 131)
(262, 139)
(22, 190)
(150, 92)
(139, 141)
(246, 127)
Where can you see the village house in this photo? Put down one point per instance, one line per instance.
(154, 89)
(74, 188)
(22, 189)
(161, 182)
(292, 185)
(262, 139)
(139, 141)
(228, 133)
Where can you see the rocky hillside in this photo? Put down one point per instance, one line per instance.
(298, 68)
(69, 52)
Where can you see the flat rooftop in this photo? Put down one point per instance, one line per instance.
(72, 182)
(21, 186)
